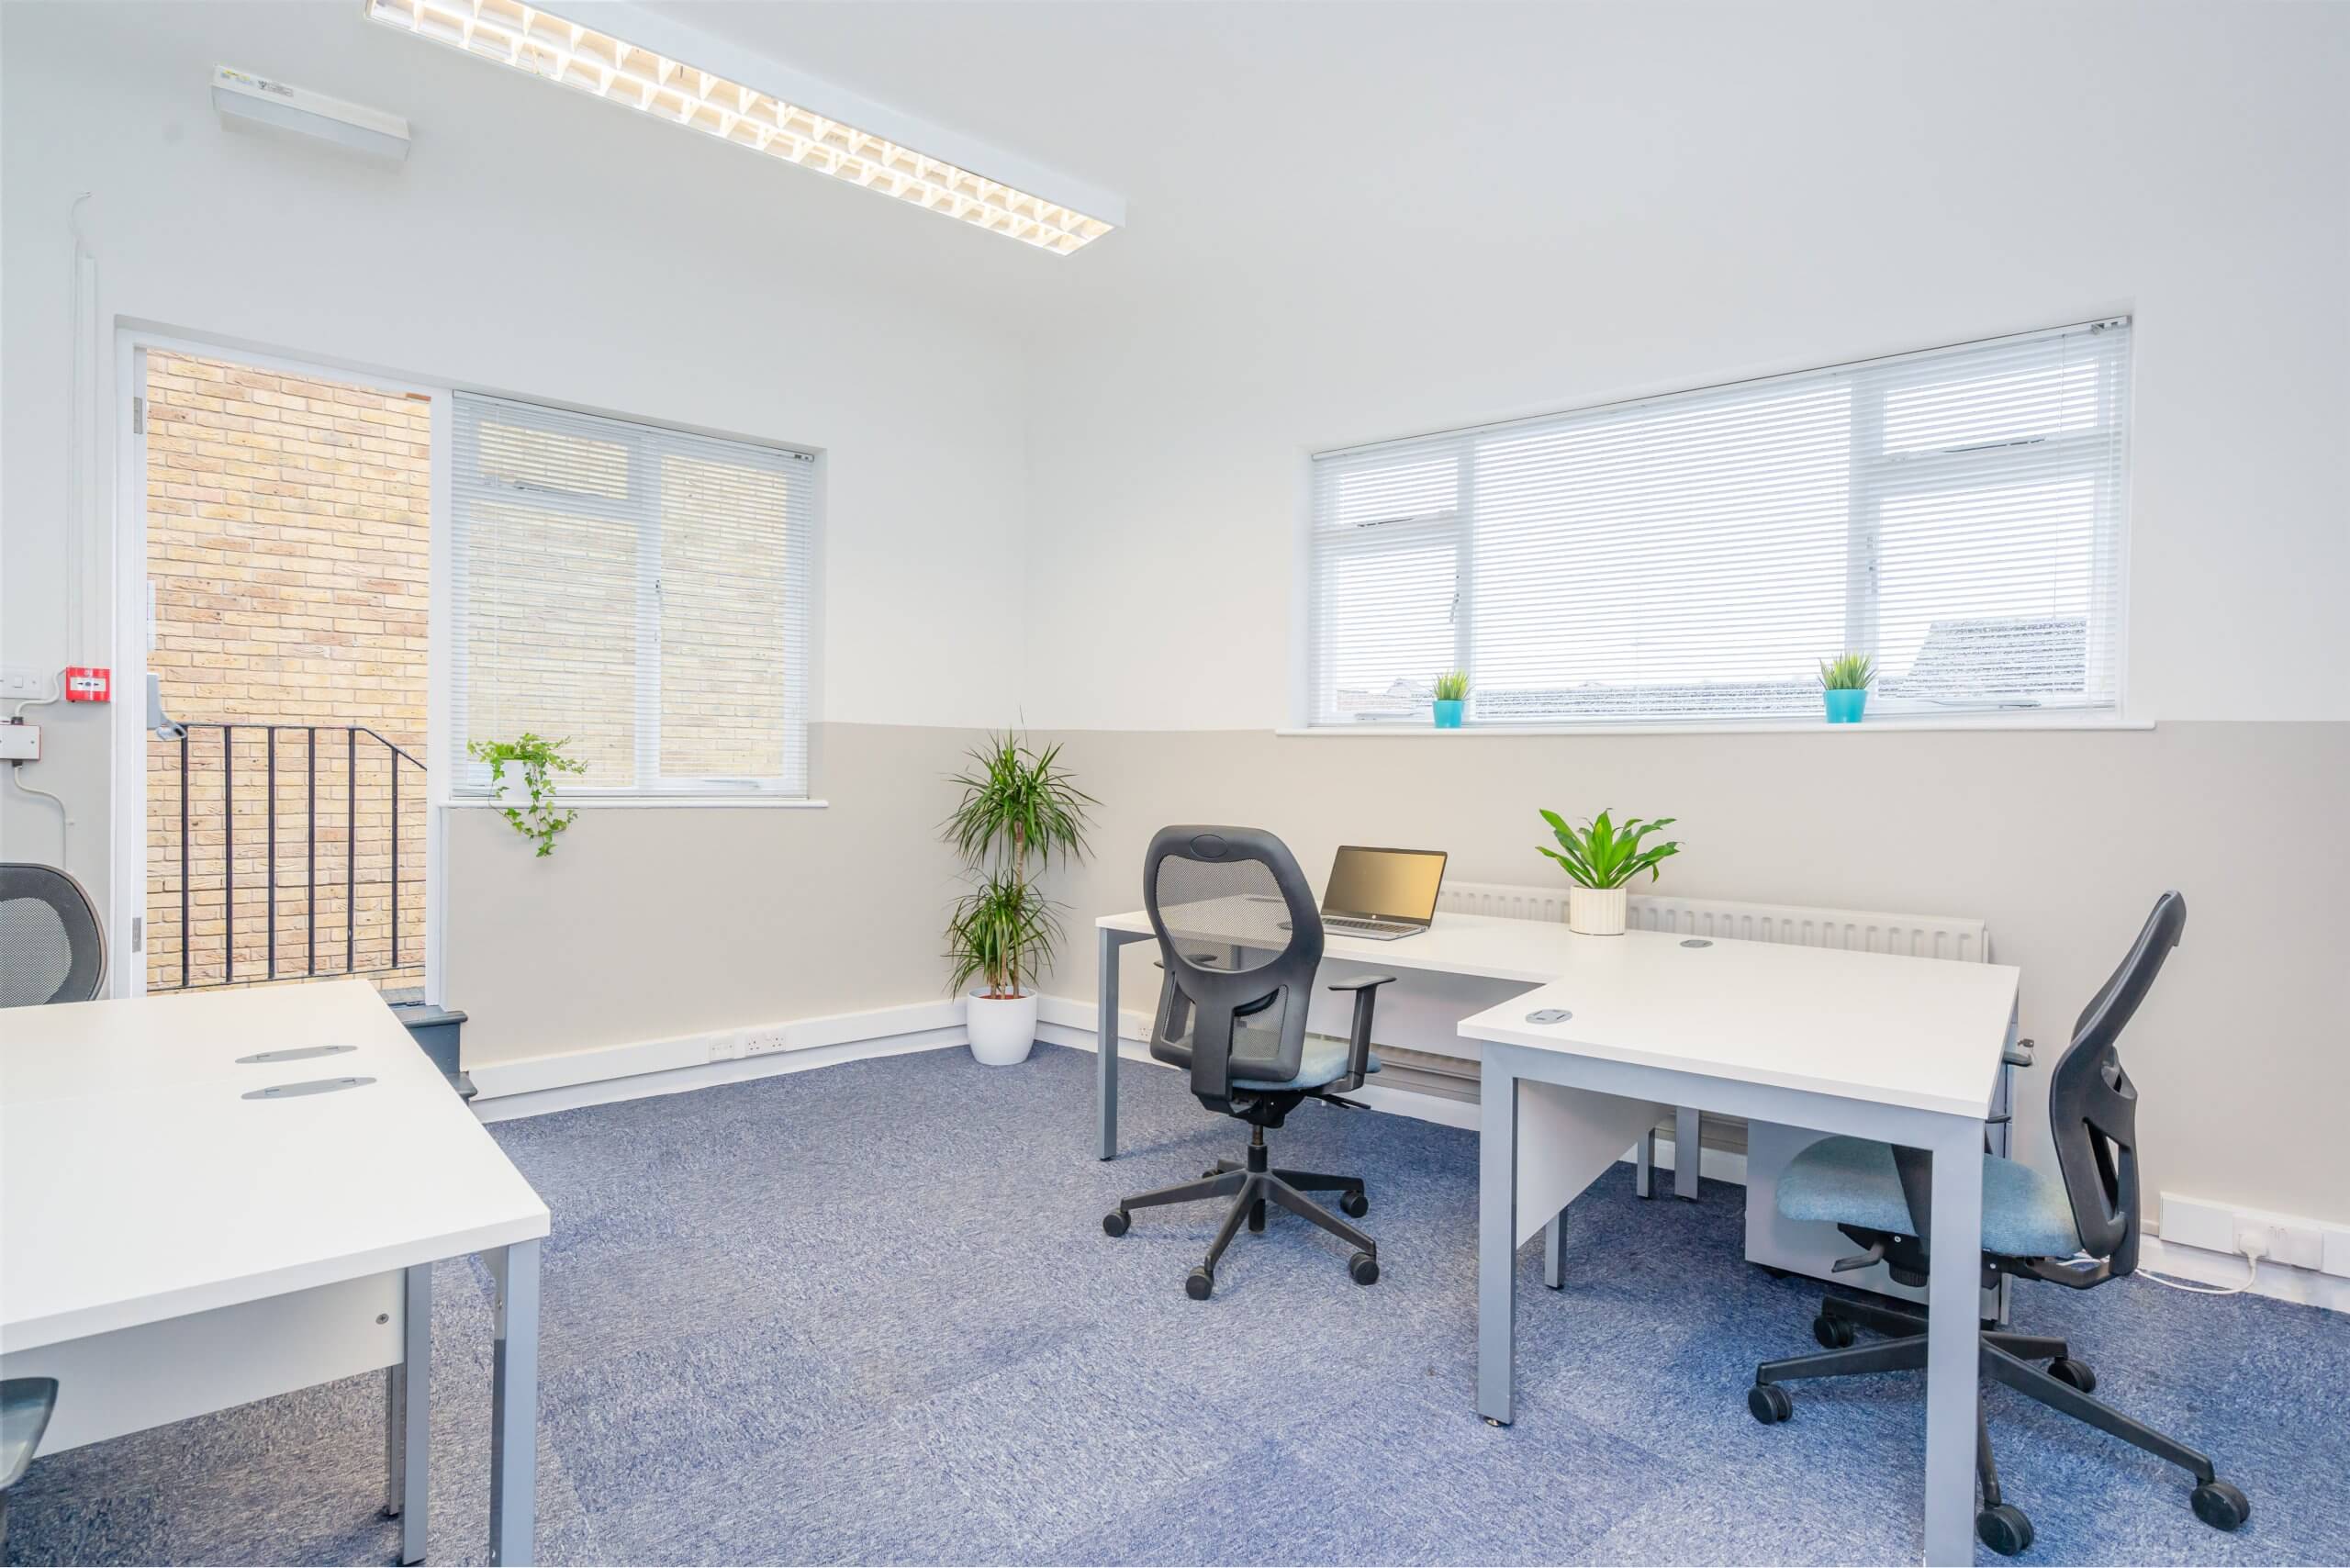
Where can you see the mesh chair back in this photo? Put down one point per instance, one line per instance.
(2093, 1106)
(51, 949)
(1240, 937)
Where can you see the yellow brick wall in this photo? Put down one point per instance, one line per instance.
(288, 552)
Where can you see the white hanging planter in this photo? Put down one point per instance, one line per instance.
(1596, 912)
(1002, 1028)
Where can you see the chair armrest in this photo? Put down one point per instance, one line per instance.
(2019, 1054)
(1366, 992)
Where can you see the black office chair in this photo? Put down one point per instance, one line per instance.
(26, 1405)
(1240, 938)
(2079, 1232)
(51, 946)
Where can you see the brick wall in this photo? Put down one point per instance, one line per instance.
(288, 552)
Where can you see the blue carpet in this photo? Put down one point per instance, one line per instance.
(867, 1314)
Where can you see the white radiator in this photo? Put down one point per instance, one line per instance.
(1910, 936)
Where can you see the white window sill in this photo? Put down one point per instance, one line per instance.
(655, 803)
(1891, 723)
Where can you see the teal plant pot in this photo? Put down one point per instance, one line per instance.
(1447, 714)
(1844, 707)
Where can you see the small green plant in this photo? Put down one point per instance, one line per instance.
(539, 759)
(1602, 854)
(995, 930)
(1019, 808)
(1850, 672)
(1452, 686)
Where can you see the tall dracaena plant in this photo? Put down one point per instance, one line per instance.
(1020, 809)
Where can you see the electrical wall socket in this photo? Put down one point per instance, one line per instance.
(2284, 1239)
(22, 682)
(763, 1042)
(725, 1048)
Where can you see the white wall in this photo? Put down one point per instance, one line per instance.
(1612, 200)
(537, 242)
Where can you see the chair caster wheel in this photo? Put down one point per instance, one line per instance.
(2004, 1529)
(1199, 1284)
(1833, 1333)
(1354, 1205)
(1364, 1268)
(2063, 1368)
(1116, 1222)
(2220, 1505)
(1769, 1404)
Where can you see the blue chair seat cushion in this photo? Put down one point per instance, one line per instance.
(1851, 1181)
(1325, 1060)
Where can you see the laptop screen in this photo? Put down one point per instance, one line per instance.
(1385, 884)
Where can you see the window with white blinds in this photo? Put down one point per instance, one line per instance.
(1956, 514)
(640, 592)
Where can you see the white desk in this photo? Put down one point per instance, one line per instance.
(1904, 1050)
(1471, 946)
(171, 1245)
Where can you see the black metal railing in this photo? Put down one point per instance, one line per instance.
(394, 758)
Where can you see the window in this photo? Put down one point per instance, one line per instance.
(1957, 514)
(640, 592)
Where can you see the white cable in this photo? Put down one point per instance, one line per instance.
(2251, 1256)
(76, 434)
(56, 690)
(64, 812)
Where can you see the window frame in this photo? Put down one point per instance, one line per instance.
(1877, 475)
(469, 783)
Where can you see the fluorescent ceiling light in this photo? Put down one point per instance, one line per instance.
(530, 40)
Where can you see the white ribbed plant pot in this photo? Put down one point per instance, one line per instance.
(1596, 912)
(1002, 1027)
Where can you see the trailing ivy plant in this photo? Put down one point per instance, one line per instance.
(538, 758)
(1604, 854)
(1020, 809)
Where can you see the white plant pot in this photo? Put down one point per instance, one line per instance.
(1596, 912)
(1002, 1027)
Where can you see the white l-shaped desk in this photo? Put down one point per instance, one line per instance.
(1904, 1050)
(210, 1199)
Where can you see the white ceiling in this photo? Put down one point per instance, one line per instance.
(1259, 145)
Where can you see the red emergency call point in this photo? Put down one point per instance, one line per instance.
(83, 684)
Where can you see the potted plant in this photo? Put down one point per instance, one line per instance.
(1451, 697)
(1019, 809)
(1599, 860)
(1844, 686)
(527, 800)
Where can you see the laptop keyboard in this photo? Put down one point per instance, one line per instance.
(1348, 922)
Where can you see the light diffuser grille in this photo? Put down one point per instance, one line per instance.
(545, 45)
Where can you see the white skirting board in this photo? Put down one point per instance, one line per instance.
(538, 1086)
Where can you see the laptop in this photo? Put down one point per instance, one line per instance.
(1382, 895)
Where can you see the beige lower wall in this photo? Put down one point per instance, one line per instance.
(2059, 839)
(657, 922)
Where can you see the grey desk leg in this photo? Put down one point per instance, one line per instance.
(1644, 1166)
(1554, 1248)
(1496, 1235)
(514, 1408)
(408, 1412)
(1105, 1042)
(1952, 1287)
(1685, 1153)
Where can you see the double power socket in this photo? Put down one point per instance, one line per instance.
(737, 1043)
